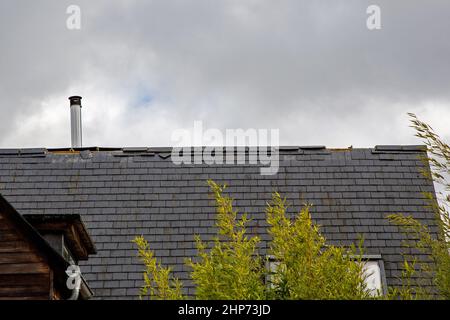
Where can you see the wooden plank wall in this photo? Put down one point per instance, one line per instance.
(24, 274)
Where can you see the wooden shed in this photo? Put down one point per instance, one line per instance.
(34, 259)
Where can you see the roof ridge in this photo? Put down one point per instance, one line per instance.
(147, 151)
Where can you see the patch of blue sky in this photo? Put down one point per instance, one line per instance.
(142, 99)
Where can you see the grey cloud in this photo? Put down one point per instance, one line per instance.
(310, 68)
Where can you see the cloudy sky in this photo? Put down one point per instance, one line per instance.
(311, 68)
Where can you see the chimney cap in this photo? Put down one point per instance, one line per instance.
(75, 100)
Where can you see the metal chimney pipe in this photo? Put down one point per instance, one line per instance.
(75, 121)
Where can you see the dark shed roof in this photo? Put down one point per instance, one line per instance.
(121, 193)
(73, 228)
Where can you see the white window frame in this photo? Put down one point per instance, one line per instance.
(376, 260)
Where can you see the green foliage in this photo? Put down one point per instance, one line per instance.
(439, 151)
(158, 283)
(230, 266)
(307, 267)
(408, 290)
(418, 235)
(413, 272)
(231, 269)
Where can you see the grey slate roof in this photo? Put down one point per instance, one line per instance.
(121, 193)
